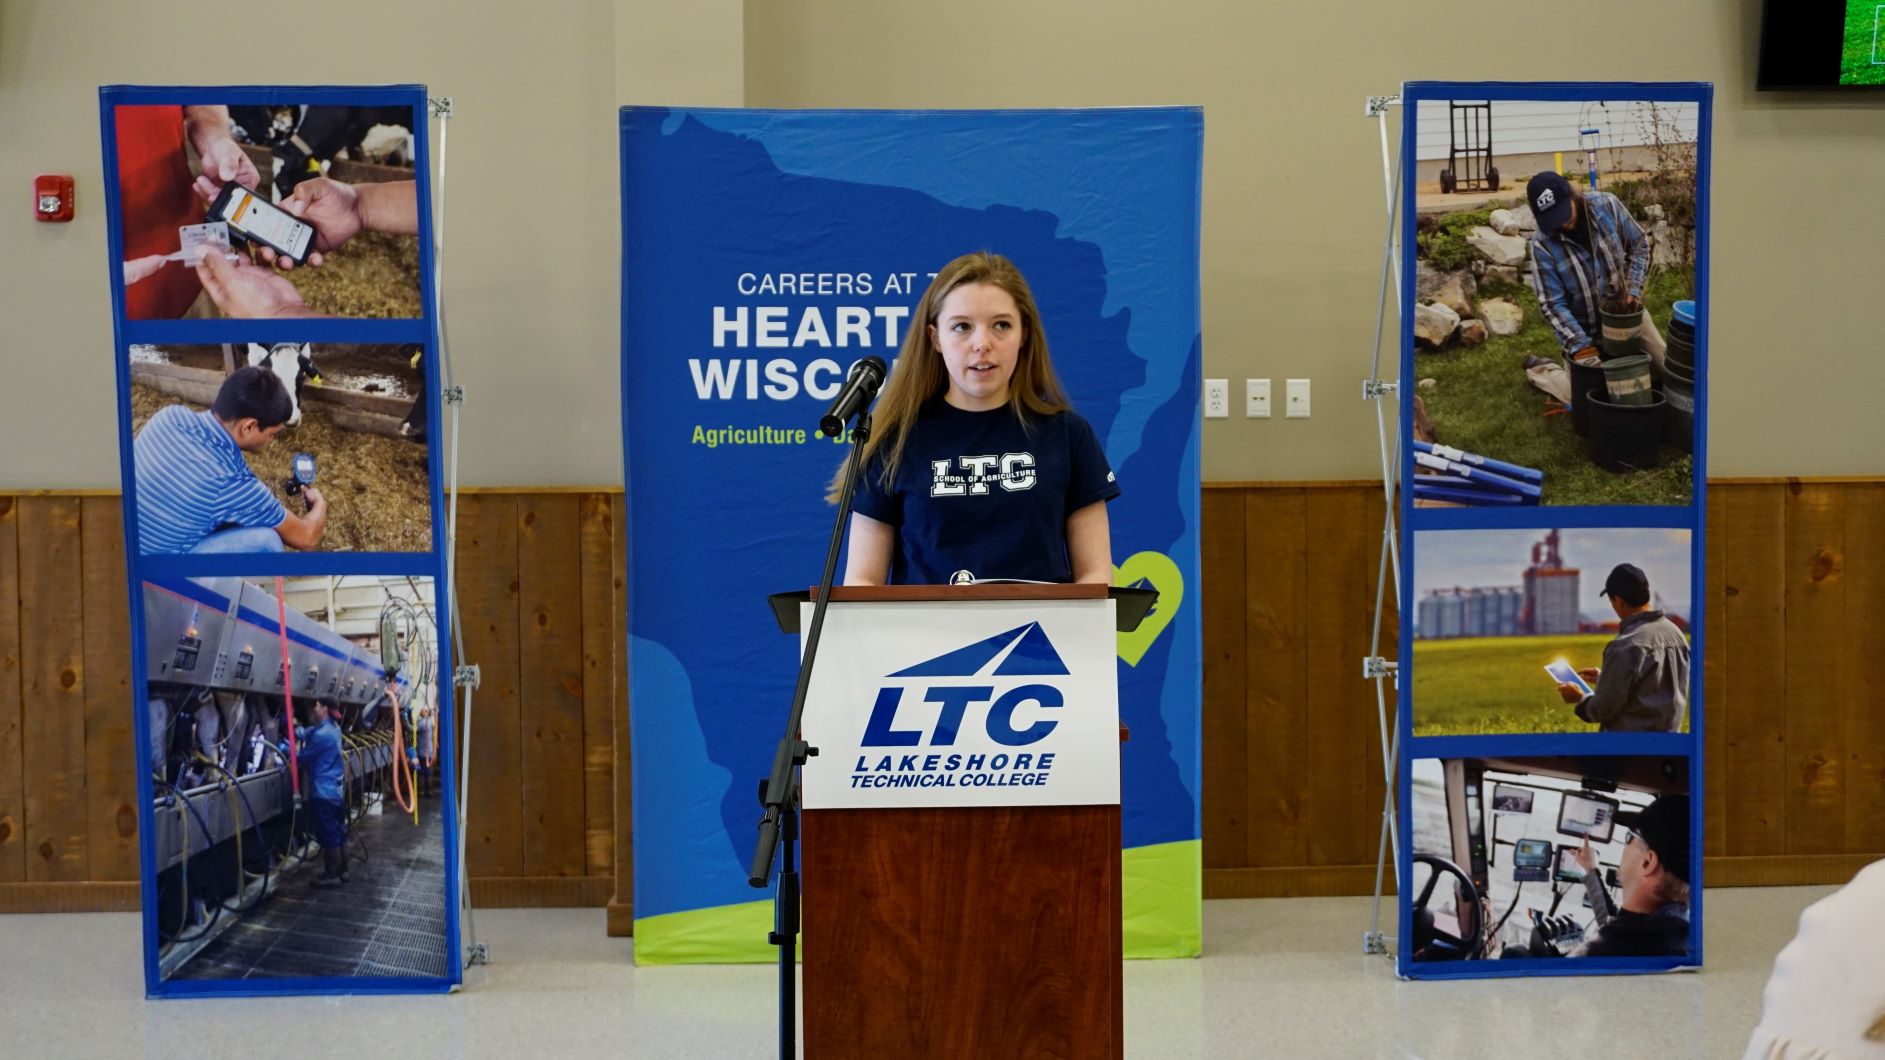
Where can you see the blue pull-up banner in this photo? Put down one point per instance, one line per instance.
(1555, 238)
(763, 252)
(273, 304)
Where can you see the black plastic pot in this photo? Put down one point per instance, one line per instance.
(1678, 423)
(1622, 331)
(1625, 437)
(1627, 379)
(1680, 351)
(1584, 378)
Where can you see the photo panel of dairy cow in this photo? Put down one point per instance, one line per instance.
(1544, 859)
(250, 210)
(1574, 630)
(307, 850)
(1555, 326)
(283, 446)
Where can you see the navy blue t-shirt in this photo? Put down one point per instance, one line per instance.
(978, 491)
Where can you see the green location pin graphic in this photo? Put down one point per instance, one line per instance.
(1153, 570)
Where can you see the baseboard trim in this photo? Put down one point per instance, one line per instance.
(502, 892)
(541, 892)
(116, 896)
(621, 919)
(1767, 870)
(597, 892)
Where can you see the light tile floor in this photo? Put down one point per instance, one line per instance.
(1281, 978)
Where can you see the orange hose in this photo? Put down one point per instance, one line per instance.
(288, 687)
(408, 802)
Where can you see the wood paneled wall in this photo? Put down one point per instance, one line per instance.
(1794, 746)
(540, 593)
(1293, 781)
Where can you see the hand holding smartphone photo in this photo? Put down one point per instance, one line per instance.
(262, 223)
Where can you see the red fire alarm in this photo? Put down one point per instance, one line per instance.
(52, 197)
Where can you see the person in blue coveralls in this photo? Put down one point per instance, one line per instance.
(978, 467)
(320, 756)
(196, 493)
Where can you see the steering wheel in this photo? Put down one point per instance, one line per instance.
(1425, 933)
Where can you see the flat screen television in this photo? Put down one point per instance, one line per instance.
(1822, 44)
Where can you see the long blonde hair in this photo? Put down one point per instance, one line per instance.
(920, 374)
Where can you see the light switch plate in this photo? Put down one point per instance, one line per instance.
(1257, 399)
(1298, 399)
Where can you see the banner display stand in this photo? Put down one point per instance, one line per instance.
(763, 253)
(282, 378)
(1548, 249)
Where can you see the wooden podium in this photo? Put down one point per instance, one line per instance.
(962, 930)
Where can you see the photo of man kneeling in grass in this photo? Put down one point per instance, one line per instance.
(1554, 318)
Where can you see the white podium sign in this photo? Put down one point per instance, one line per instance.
(985, 703)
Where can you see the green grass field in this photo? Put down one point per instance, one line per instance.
(1481, 401)
(1478, 685)
(1858, 63)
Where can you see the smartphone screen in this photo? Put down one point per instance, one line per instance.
(261, 221)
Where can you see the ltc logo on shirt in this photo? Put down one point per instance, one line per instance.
(971, 476)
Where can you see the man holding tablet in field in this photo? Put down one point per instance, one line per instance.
(1643, 685)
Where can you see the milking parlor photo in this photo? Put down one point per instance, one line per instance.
(265, 212)
(1556, 330)
(293, 446)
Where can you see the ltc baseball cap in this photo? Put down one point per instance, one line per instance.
(1664, 826)
(1550, 197)
(1628, 582)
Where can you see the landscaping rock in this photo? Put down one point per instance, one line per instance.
(1665, 251)
(1502, 316)
(1473, 333)
(1428, 280)
(1514, 222)
(1505, 274)
(1425, 429)
(1434, 325)
(1498, 249)
(1457, 294)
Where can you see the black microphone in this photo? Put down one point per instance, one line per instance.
(859, 388)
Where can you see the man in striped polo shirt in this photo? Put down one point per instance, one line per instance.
(1587, 250)
(195, 493)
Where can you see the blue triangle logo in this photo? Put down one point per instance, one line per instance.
(1033, 656)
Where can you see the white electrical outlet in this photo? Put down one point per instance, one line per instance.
(1257, 399)
(1216, 399)
(1298, 400)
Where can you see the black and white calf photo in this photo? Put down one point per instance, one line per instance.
(252, 448)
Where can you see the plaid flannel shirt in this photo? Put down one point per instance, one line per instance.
(1570, 280)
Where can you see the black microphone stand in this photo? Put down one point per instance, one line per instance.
(779, 793)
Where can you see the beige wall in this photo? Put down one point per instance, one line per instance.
(532, 304)
(1292, 191)
(1293, 212)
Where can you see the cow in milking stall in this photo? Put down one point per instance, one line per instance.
(291, 364)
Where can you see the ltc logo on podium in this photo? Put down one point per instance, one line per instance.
(920, 704)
